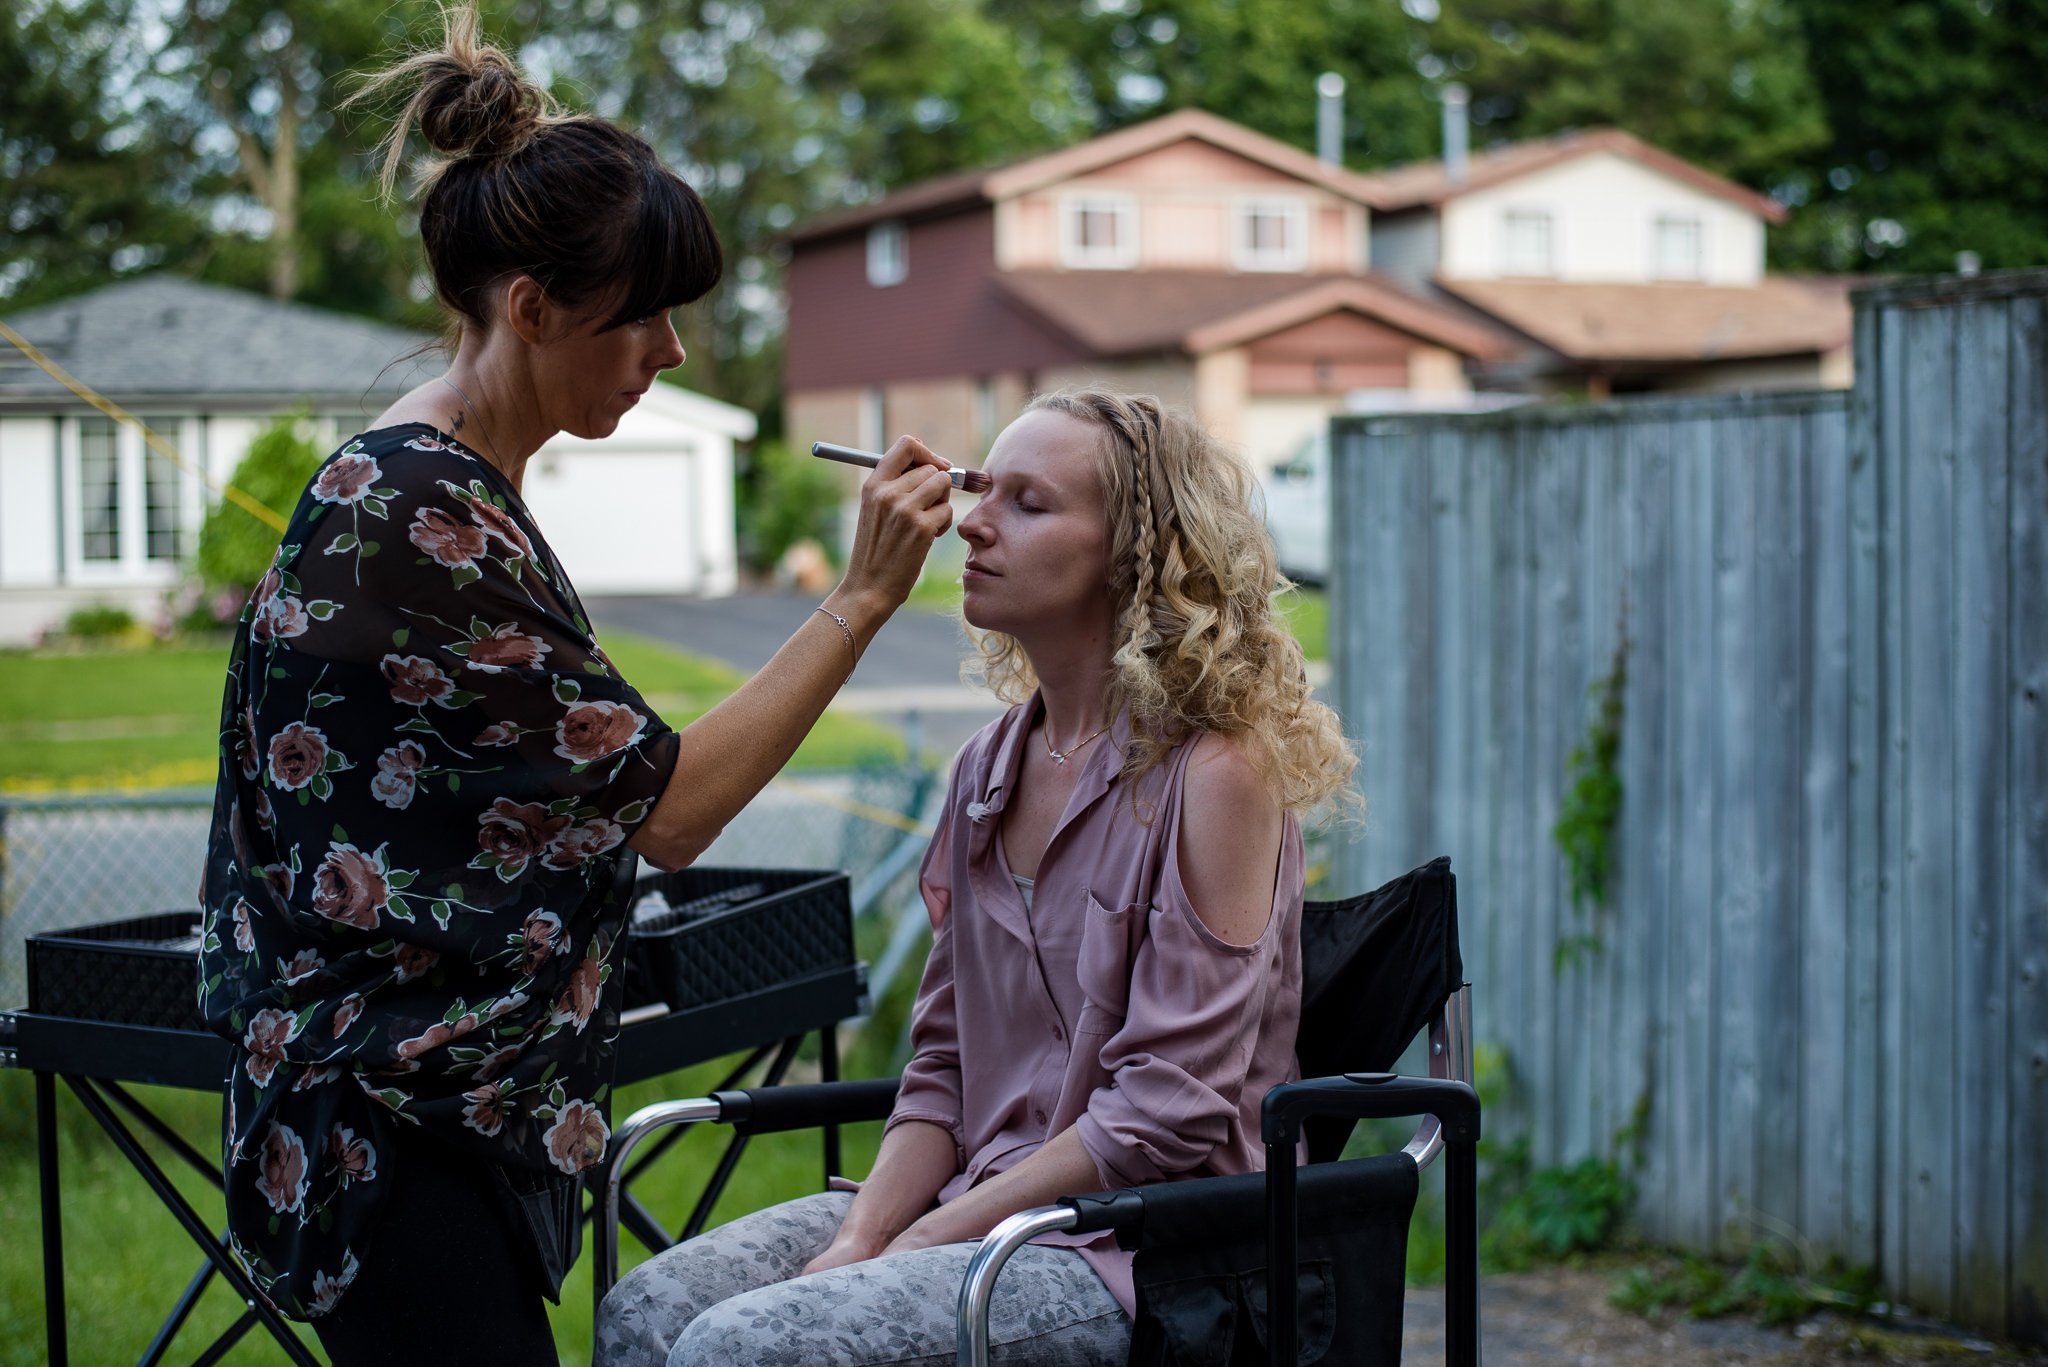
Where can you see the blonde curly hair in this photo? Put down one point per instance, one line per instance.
(1193, 575)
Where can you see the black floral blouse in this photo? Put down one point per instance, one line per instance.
(428, 769)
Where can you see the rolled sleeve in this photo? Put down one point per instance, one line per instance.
(1179, 1060)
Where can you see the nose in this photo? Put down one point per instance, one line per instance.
(671, 352)
(974, 529)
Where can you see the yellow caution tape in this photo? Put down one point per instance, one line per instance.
(248, 504)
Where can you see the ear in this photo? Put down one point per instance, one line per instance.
(527, 309)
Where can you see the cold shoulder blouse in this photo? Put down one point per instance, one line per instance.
(428, 772)
(1102, 1001)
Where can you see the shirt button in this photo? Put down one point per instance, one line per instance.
(1038, 1116)
(1058, 1033)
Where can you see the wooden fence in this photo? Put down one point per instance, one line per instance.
(1822, 970)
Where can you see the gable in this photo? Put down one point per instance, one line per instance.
(1190, 163)
(1338, 335)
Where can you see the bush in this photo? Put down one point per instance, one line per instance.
(98, 622)
(785, 498)
(235, 547)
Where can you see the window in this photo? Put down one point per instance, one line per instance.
(162, 492)
(1675, 249)
(1526, 244)
(871, 420)
(1272, 235)
(888, 253)
(1101, 232)
(99, 489)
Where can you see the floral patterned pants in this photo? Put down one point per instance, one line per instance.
(733, 1296)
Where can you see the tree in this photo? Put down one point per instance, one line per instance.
(1938, 109)
(92, 184)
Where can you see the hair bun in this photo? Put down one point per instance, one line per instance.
(468, 98)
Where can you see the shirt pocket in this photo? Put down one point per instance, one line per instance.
(1108, 944)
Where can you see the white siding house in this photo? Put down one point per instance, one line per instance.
(89, 514)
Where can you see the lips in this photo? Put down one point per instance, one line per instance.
(976, 570)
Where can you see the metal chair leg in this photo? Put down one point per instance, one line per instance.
(978, 1287)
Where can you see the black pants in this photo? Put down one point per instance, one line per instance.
(447, 1278)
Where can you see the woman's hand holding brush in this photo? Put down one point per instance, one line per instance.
(905, 506)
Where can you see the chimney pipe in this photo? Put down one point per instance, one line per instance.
(1457, 132)
(1330, 119)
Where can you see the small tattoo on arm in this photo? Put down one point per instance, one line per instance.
(458, 420)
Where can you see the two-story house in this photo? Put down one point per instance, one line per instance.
(1188, 256)
(1618, 265)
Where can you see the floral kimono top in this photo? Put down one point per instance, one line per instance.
(428, 769)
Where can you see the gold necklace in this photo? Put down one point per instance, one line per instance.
(1060, 756)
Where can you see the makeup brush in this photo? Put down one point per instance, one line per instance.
(973, 481)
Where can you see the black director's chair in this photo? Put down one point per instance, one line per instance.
(1214, 1253)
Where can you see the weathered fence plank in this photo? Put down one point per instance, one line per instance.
(1825, 957)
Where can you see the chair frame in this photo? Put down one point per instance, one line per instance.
(1445, 1101)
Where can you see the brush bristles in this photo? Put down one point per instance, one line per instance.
(977, 481)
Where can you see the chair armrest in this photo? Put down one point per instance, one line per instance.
(1371, 1096)
(805, 1106)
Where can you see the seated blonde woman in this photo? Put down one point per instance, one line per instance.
(1115, 893)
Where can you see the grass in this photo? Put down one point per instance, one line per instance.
(126, 1258)
(148, 718)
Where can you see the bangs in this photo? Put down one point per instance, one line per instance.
(670, 256)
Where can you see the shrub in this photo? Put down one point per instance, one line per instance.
(785, 498)
(99, 621)
(235, 547)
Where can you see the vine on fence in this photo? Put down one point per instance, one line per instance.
(1592, 800)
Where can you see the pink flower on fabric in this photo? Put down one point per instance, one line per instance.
(590, 731)
(304, 964)
(266, 815)
(268, 1033)
(579, 997)
(327, 1290)
(283, 616)
(436, 1035)
(516, 832)
(539, 940)
(499, 525)
(315, 1077)
(415, 680)
(298, 755)
(577, 1138)
(345, 1014)
(486, 1110)
(397, 779)
(452, 544)
(346, 479)
(247, 749)
(426, 444)
(245, 930)
(497, 1061)
(281, 877)
(353, 1158)
(349, 887)
(497, 733)
(413, 961)
(507, 648)
(282, 1179)
(572, 847)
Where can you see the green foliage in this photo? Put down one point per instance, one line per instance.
(1577, 1208)
(1769, 1286)
(234, 547)
(785, 498)
(99, 622)
(1591, 808)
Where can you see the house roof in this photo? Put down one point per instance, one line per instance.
(1427, 184)
(166, 337)
(1117, 313)
(990, 184)
(1594, 323)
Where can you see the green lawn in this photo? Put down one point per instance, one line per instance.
(1307, 613)
(149, 718)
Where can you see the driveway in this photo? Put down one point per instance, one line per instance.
(909, 679)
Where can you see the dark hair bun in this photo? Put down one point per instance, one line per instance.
(474, 103)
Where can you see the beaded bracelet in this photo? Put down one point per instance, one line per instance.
(846, 631)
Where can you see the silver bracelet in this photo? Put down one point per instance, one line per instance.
(846, 631)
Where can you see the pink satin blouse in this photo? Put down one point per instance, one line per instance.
(1107, 1005)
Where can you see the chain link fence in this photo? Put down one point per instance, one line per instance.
(74, 861)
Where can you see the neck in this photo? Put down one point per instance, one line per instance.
(1073, 683)
(496, 411)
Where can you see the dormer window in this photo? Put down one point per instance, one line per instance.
(1675, 244)
(1271, 235)
(1526, 243)
(888, 253)
(1100, 232)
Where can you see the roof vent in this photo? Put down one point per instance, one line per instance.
(1457, 132)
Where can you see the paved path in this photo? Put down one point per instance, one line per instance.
(909, 678)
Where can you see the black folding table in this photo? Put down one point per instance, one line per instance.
(94, 1059)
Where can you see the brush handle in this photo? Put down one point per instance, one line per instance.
(853, 455)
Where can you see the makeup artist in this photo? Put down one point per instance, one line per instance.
(429, 768)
